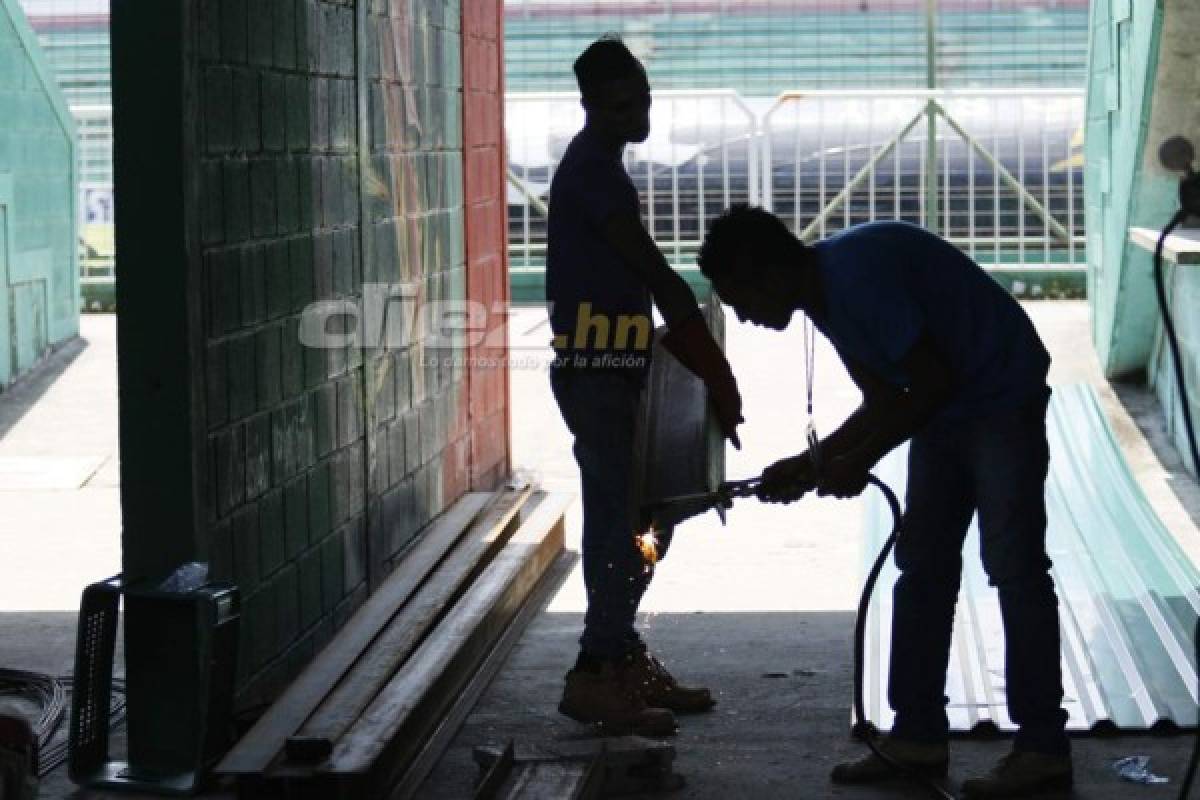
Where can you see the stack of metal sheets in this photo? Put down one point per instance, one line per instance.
(1127, 592)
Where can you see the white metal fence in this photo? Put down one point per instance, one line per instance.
(701, 156)
(1006, 183)
(97, 260)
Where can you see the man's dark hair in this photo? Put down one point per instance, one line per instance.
(744, 229)
(606, 59)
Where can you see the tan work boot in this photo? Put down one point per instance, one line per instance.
(659, 687)
(1022, 775)
(925, 759)
(609, 699)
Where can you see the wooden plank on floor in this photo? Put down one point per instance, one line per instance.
(549, 780)
(439, 739)
(409, 627)
(258, 748)
(378, 748)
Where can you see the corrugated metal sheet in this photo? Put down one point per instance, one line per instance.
(1127, 592)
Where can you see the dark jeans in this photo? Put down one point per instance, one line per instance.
(600, 409)
(997, 466)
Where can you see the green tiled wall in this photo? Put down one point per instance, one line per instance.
(324, 154)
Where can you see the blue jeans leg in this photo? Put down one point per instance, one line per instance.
(600, 410)
(938, 508)
(1011, 459)
(996, 466)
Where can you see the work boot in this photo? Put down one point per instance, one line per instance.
(922, 758)
(659, 687)
(608, 698)
(1022, 775)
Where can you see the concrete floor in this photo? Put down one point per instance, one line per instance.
(60, 475)
(761, 610)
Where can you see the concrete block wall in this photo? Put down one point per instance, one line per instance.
(280, 229)
(322, 173)
(39, 279)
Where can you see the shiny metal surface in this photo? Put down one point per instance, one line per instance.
(679, 449)
(1127, 594)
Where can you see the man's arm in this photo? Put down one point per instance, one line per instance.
(859, 424)
(892, 416)
(688, 337)
(674, 298)
(887, 416)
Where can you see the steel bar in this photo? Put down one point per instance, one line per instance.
(931, 170)
(818, 221)
(531, 199)
(1006, 176)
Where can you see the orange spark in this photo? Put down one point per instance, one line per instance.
(648, 543)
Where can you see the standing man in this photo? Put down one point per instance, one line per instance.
(944, 356)
(602, 273)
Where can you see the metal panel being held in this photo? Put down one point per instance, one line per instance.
(679, 449)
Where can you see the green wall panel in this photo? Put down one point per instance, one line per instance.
(38, 273)
(1142, 75)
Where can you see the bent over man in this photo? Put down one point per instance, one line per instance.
(946, 358)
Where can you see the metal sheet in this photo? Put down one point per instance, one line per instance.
(679, 448)
(1127, 594)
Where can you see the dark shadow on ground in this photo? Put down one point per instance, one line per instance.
(782, 720)
(783, 682)
(17, 399)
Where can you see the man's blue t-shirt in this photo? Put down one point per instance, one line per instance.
(586, 279)
(888, 283)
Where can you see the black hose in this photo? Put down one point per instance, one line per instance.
(863, 727)
(1185, 788)
(1173, 339)
(50, 695)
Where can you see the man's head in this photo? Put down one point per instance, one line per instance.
(754, 263)
(615, 91)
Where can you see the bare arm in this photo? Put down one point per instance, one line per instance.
(891, 415)
(688, 338)
(674, 298)
(859, 424)
(887, 416)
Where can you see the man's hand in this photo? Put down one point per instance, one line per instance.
(691, 342)
(788, 480)
(843, 476)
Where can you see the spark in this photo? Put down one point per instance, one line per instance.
(647, 543)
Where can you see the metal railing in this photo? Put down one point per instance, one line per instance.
(97, 259)
(701, 157)
(997, 172)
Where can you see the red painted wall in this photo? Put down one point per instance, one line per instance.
(486, 237)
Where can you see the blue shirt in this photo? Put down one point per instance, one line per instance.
(886, 284)
(586, 279)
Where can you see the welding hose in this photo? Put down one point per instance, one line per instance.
(863, 727)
